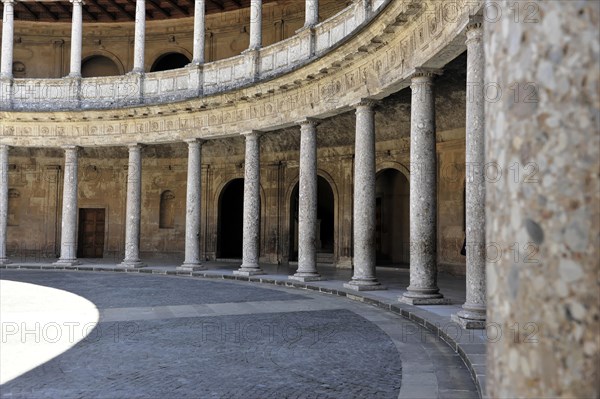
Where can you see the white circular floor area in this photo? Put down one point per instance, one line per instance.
(39, 323)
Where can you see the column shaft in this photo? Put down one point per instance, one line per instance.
(199, 31)
(251, 239)
(364, 200)
(7, 39)
(423, 202)
(133, 209)
(76, 38)
(193, 210)
(3, 202)
(140, 36)
(311, 13)
(255, 24)
(307, 204)
(473, 313)
(68, 239)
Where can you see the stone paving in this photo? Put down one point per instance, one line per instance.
(164, 336)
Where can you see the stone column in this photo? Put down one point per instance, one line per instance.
(68, 238)
(76, 39)
(363, 278)
(7, 39)
(3, 202)
(311, 13)
(251, 241)
(192, 219)
(472, 314)
(423, 202)
(140, 36)
(543, 211)
(199, 31)
(255, 24)
(307, 214)
(133, 210)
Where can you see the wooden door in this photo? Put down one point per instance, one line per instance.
(91, 233)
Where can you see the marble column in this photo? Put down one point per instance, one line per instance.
(3, 202)
(423, 199)
(311, 13)
(133, 209)
(363, 278)
(307, 204)
(68, 238)
(543, 295)
(7, 39)
(199, 32)
(255, 24)
(140, 36)
(76, 38)
(472, 315)
(251, 239)
(192, 220)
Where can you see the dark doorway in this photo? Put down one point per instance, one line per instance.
(231, 217)
(392, 217)
(169, 61)
(91, 233)
(325, 222)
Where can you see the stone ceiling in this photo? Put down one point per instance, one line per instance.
(120, 10)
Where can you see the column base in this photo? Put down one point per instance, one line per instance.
(304, 277)
(4, 261)
(364, 285)
(190, 267)
(248, 271)
(470, 318)
(67, 262)
(468, 324)
(436, 299)
(132, 264)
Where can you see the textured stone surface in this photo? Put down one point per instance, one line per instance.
(139, 44)
(6, 65)
(133, 209)
(364, 199)
(68, 239)
(3, 202)
(423, 199)
(251, 239)
(546, 299)
(193, 211)
(76, 38)
(473, 311)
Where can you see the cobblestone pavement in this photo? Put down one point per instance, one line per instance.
(177, 337)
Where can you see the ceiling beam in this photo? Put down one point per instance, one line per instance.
(158, 8)
(47, 9)
(70, 11)
(122, 9)
(103, 9)
(26, 8)
(178, 7)
(237, 3)
(219, 5)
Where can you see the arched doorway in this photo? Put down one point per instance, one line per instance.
(231, 217)
(97, 66)
(392, 221)
(169, 61)
(325, 222)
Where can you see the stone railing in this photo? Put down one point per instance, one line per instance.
(189, 82)
(246, 92)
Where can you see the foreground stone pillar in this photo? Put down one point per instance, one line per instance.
(192, 218)
(76, 38)
(133, 209)
(140, 36)
(255, 24)
(542, 276)
(423, 200)
(3, 202)
(199, 31)
(7, 39)
(311, 13)
(307, 204)
(251, 241)
(472, 314)
(68, 237)
(363, 278)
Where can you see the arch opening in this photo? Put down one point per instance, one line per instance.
(167, 210)
(231, 220)
(169, 61)
(392, 227)
(325, 222)
(98, 66)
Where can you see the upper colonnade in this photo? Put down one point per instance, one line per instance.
(378, 46)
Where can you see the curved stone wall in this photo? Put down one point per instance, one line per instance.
(374, 56)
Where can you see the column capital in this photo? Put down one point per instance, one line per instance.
(252, 134)
(364, 102)
(194, 142)
(474, 29)
(5, 147)
(70, 147)
(135, 146)
(422, 75)
(80, 2)
(9, 1)
(309, 121)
